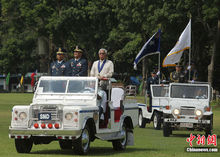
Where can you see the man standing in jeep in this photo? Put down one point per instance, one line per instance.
(78, 66)
(58, 67)
(151, 80)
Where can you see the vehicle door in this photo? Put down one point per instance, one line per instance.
(160, 96)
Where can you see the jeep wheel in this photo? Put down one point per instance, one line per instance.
(122, 143)
(82, 144)
(23, 145)
(65, 144)
(141, 120)
(157, 121)
(167, 130)
(208, 130)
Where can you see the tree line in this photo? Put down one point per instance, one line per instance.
(122, 27)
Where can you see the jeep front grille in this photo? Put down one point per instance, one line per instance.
(56, 113)
(187, 111)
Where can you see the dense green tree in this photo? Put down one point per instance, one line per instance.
(122, 27)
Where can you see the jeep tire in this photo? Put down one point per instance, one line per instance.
(208, 129)
(23, 145)
(141, 120)
(121, 143)
(167, 130)
(65, 144)
(157, 121)
(82, 144)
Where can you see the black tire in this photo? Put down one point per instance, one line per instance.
(208, 130)
(167, 130)
(23, 145)
(141, 120)
(65, 144)
(157, 121)
(171, 131)
(122, 143)
(82, 144)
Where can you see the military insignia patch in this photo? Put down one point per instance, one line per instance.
(79, 64)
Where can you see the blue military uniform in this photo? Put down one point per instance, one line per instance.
(58, 69)
(151, 80)
(78, 67)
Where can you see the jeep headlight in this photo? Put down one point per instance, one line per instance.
(22, 115)
(68, 116)
(176, 111)
(198, 113)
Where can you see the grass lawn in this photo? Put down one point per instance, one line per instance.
(148, 142)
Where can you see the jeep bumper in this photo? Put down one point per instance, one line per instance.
(24, 132)
(173, 120)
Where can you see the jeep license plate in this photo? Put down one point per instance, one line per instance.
(44, 116)
(186, 125)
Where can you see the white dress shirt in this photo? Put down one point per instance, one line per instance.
(107, 71)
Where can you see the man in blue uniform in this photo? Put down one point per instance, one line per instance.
(58, 67)
(78, 66)
(151, 80)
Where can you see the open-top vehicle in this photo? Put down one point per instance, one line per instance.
(188, 108)
(67, 109)
(160, 99)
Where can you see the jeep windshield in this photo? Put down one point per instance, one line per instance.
(66, 86)
(189, 92)
(160, 91)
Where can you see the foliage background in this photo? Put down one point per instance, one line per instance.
(122, 27)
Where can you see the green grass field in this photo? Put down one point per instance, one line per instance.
(148, 142)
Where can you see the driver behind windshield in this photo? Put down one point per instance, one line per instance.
(201, 94)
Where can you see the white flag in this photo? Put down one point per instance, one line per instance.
(183, 43)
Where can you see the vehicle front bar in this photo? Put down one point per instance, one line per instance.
(199, 121)
(42, 132)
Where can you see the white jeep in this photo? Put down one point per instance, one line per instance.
(160, 99)
(189, 108)
(67, 109)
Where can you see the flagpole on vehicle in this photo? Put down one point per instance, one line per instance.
(159, 66)
(190, 48)
(159, 31)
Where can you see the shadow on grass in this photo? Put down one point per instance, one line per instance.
(98, 151)
(180, 135)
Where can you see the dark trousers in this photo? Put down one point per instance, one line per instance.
(150, 103)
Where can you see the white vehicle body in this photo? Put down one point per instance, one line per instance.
(189, 108)
(67, 109)
(160, 99)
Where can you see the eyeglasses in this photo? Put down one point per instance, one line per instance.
(101, 53)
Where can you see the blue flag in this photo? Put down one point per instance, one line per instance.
(152, 46)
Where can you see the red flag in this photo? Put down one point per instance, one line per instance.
(32, 79)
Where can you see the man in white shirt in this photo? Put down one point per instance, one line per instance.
(103, 68)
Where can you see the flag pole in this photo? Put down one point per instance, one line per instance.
(159, 66)
(159, 55)
(190, 50)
